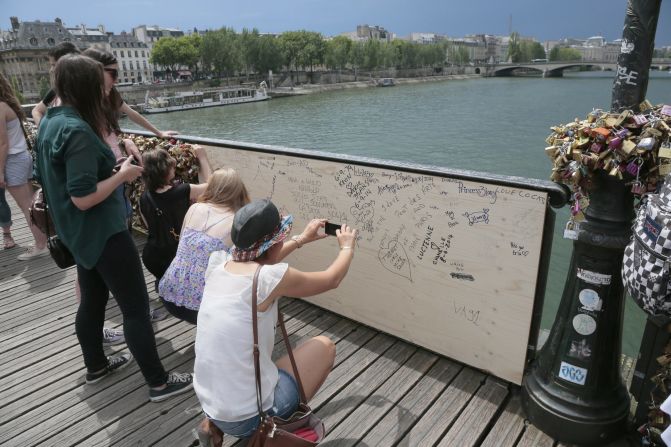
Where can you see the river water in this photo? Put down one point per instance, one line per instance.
(496, 125)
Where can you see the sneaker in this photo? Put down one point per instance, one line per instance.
(114, 363)
(157, 315)
(177, 383)
(32, 253)
(112, 337)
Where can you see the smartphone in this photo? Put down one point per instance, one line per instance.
(120, 161)
(330, 228)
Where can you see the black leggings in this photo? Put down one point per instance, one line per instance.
(180, 312)
(118, 271)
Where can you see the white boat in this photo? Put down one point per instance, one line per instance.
(385, 82)
(197, 100)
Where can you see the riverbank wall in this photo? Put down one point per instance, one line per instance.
(306, 89)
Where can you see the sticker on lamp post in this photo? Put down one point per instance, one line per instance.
(584, 324)
(572, 373)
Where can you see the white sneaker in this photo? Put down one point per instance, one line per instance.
(32, 253)
(112, 337)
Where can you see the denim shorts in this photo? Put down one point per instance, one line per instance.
(18, 169)
(285, 404)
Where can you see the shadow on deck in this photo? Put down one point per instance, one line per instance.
(382, 391)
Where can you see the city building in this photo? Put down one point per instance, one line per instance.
(151, 34)
(23, 53)
(133, 57)
(91, 37)
(366, 32)
(425, 38)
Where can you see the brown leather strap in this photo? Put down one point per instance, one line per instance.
(290, 351)
(255, 330)
(257, 362)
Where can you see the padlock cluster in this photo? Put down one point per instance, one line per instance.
(634, 147)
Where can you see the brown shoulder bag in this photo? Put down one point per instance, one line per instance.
(303, 428)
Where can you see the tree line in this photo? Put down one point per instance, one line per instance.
(224, 52)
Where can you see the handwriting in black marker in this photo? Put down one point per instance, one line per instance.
(462, 276)
(394, 258)
(475, 217)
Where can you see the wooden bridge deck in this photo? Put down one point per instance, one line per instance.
(382, 391)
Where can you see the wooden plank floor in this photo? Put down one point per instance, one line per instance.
(382, 391)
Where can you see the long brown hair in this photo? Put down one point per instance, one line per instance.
(79, 83)
(113, 101)
(7, 96)
(225, 187)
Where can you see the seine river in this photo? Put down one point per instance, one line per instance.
(496, 125)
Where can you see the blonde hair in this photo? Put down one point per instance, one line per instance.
(225, 187)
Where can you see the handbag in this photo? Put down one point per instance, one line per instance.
(303, 428)
(39, 215)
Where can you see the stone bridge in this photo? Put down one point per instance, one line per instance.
(548, 69)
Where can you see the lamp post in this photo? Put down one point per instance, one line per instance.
(573, 390)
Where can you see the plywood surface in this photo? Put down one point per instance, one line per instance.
(448, 264)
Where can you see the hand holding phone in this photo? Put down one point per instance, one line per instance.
(121, 160)
(330, 228)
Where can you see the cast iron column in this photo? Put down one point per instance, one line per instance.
(573, 390)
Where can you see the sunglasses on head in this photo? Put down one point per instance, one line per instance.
(113, 72)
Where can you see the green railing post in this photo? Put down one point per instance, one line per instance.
(573, 390)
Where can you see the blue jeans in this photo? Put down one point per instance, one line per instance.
(285, 403)
(5, 212)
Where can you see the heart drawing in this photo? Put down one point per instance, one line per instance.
(395, 259)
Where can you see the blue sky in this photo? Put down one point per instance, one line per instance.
(543, 19)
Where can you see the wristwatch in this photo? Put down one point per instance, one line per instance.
(297, 240)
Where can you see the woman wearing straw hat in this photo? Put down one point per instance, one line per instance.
(224, 368)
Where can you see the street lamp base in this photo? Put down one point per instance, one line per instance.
(562, 415)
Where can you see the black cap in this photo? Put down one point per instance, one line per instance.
(253, 222)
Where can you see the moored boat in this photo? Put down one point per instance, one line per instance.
(196, 99)
(385, 82)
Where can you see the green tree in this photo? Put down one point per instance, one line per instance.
(165, 53)
(337, 52)
(221, 51)
(372, 53)
(514, 48)
(387, 55)
(357, 57)
(537, 51)
(249, 49)
(269, 55)
(564, 54)
(290, 45)
(44, 86)
(189, 51)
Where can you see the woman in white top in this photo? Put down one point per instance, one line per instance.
(224, 368)
(16, 164)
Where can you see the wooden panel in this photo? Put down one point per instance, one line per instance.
(447, 264)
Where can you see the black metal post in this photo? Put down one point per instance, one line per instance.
(573, 390)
